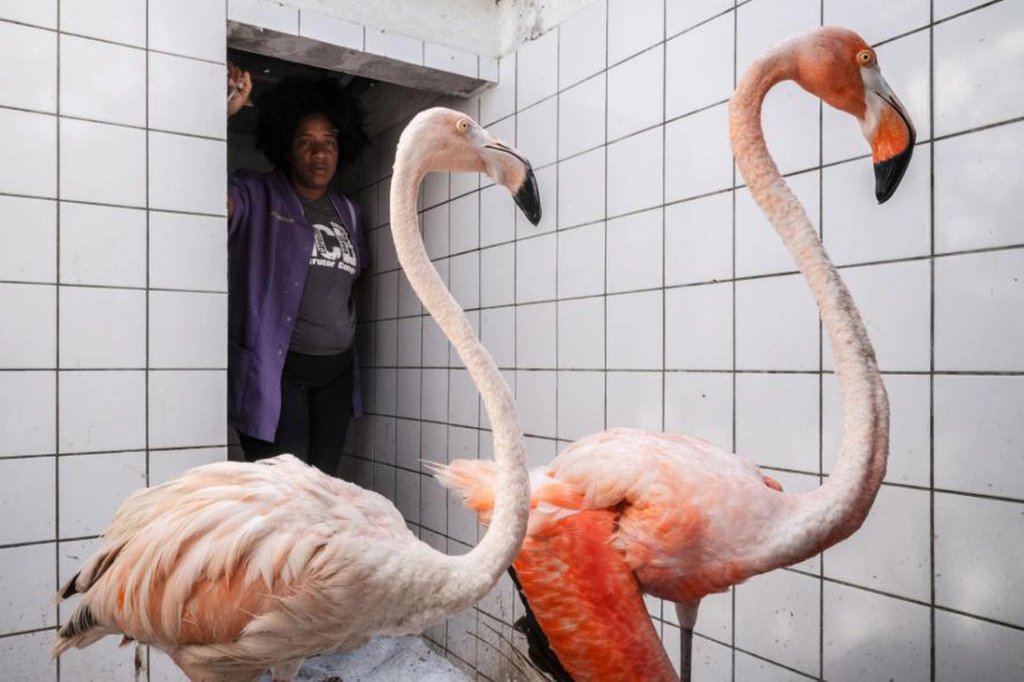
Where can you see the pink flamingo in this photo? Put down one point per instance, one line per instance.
(237, 568)
(684, 518)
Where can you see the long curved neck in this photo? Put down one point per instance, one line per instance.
(831, 513)
(451, 584)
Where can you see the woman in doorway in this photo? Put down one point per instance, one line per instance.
(295, 250)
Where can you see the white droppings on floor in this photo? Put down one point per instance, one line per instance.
(384, 659)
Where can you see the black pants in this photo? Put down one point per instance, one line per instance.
(316, 405)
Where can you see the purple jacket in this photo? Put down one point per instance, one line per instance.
(269, 244)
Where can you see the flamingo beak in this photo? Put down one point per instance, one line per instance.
(507, 167)
(891, 134)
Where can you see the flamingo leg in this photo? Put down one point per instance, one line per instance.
(686, 612)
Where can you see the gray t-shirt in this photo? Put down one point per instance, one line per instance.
(327, 313)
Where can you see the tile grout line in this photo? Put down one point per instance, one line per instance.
(57, 373)
(735, 78)
(931, 347)
(821, 371)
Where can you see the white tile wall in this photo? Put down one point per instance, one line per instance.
(29, 141)
(123, 181)
(31, 342)
(27, 509)
(102, 245)
(86, 510)
(102, 328)
(27, 584)
(28, 66)
(28, 406)
(102, 81)
(29, 235)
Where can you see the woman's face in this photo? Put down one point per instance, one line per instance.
(314, 156)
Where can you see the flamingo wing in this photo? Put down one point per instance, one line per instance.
(687, 506)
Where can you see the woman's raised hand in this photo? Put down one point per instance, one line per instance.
(239, 88)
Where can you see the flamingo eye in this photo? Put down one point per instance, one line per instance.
(463, 124)
(865, 57)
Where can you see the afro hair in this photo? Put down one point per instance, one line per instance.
(281, 109)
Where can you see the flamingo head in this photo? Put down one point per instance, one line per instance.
(440, 139)
(838, 66)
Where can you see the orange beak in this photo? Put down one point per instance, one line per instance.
(892, 138)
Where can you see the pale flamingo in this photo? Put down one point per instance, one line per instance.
(235, 568)
(691, 519)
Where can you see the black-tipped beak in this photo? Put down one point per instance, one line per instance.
(892, 144)
(889, 173)
(527, 197)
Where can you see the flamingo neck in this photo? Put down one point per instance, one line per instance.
(831, 513)
(455, 583)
